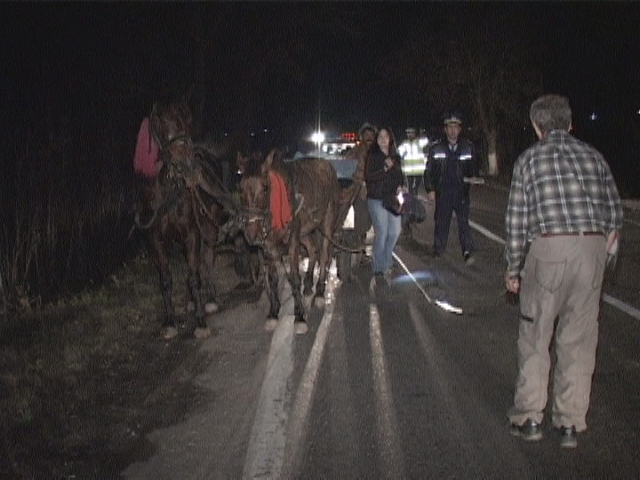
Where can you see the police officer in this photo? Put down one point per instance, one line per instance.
(450, 163)
(412, 160)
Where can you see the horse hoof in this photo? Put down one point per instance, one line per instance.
(211, 307)
(307, 301)
(300, 328)
(319, 302)
(169, 332)
(271, 324)
(202, 332)
(307, 291)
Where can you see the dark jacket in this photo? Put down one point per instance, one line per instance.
(439, 157)
(379, 182)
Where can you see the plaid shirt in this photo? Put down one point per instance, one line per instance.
(559, 185)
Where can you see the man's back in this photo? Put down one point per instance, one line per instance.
(568, 185)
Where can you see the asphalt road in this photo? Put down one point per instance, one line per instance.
(391, 385)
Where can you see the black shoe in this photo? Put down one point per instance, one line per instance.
(378, 284)
(468, 259)
(568, 438)
(530, 430)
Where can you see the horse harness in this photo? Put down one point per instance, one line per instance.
(178, 173)
(248, 215)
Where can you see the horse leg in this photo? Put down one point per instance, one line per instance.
(272, 293)
(300, 323)
(193, 245)
(169, 326)
(326, 253)
(242, 259)
(311, 266)
(208, 285)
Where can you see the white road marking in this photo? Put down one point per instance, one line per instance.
(389, 445)
(265, 454)
(614, 302)
(299, 420)
(620, 305)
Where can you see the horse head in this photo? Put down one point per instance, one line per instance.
(170, 125)
(255, 196)
(170, 122)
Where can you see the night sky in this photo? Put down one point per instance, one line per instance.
(256, 66)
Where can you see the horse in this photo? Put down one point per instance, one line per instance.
(182, 200)
(313, 192)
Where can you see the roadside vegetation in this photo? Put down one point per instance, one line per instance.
(82, 380)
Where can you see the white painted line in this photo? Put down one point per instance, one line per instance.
(388, 439)
(628, 309)
(299, 419)
(486, 233)
(265, 454)
(619, 304)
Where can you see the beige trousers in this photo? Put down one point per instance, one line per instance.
(561, 280)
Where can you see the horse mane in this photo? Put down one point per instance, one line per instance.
(253, 166)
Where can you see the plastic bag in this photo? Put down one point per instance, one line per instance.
(413, 210)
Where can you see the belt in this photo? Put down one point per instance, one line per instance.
(573, 234)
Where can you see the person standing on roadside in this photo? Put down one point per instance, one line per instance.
(563, 216)
(384, 179)
(450, 163)
(362, 220)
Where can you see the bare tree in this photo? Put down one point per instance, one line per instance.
(488, 69)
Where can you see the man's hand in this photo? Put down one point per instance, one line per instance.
(512, 282)
(611, 241)
(431, 197)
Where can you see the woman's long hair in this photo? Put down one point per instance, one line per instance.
(393, 149)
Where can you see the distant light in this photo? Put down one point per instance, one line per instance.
(593, 116)
(265, 130)
(253, 134)
(317, 137)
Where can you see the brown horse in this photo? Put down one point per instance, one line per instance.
(182, 203)
(313, 191)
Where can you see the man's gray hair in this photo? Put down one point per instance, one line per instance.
(551, 112)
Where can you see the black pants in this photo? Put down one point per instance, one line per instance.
(450, 200)
(414, 182)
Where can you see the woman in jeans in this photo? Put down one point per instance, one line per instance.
(383, 176)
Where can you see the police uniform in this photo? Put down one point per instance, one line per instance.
(447, 167)
(412, 161)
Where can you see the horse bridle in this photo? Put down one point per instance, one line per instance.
(249, 215)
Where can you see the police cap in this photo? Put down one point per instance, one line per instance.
(452, 117)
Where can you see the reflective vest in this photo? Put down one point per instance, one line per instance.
(413, 161)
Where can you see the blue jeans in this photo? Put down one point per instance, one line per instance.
(386, 229)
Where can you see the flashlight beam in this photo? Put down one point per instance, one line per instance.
(447, 307)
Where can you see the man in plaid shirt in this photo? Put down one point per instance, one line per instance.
(563, 217)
